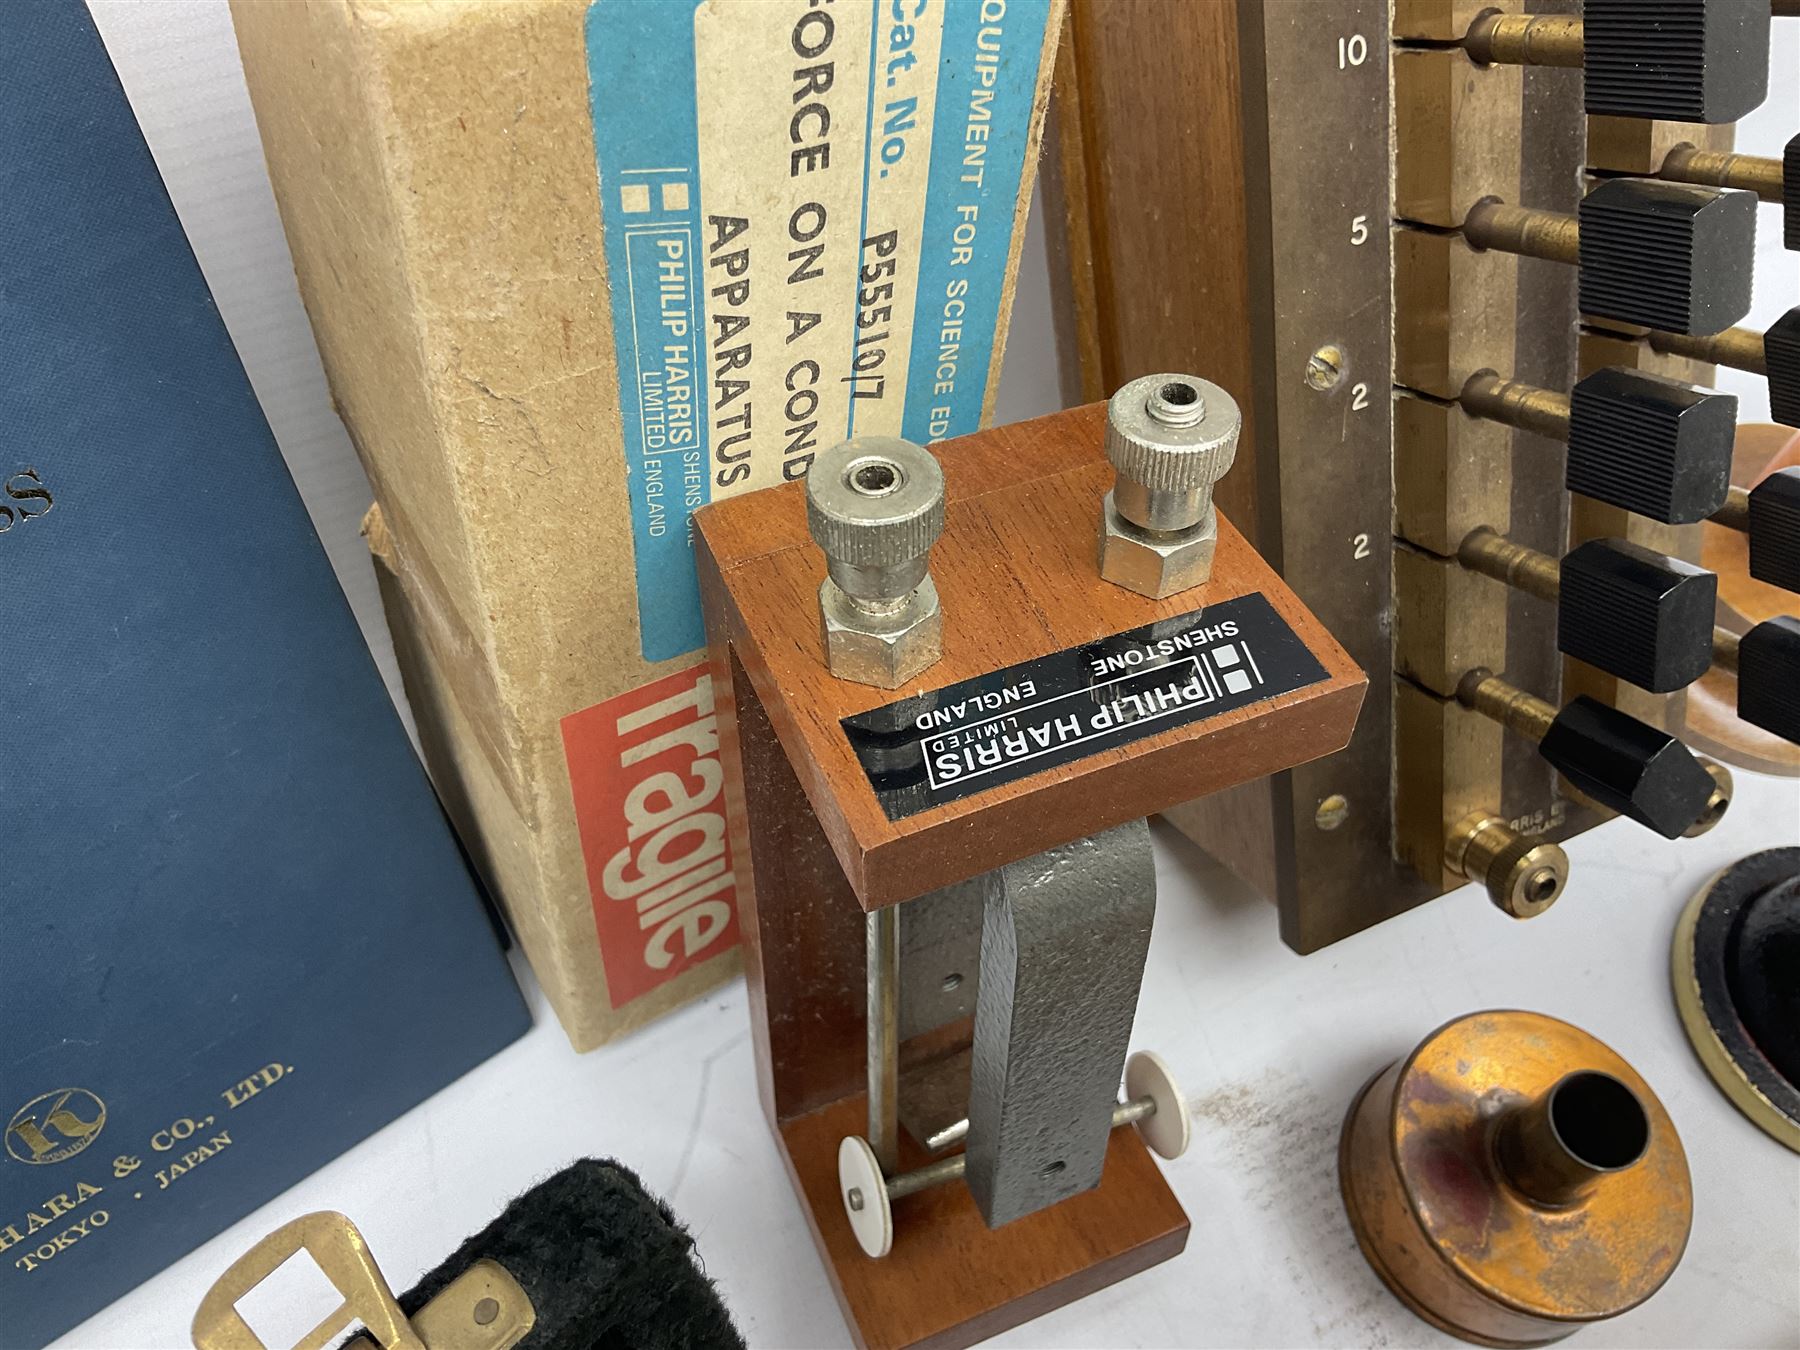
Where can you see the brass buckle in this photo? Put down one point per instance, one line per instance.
(484, 1308)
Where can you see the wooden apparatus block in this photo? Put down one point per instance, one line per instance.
(1454, 311)
(1452, 474)
(1017, 574)
(814, 848)
(1457, 124)
(950, 1280)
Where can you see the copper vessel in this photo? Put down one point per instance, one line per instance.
(1513, 1179)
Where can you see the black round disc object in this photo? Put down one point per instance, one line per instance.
(1737, 985)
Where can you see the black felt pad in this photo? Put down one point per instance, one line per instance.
(607, 1266)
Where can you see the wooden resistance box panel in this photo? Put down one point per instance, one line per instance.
(1018, 577)
(1266, 194)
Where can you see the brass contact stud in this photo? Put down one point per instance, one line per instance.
(1524, 230)
(1524, 714)
(1726, 649)
(1525, 40)
(1543, 411)
(1774, 354)
(1522, 568)
(1523, 876)
(1546, 1180)
(1718, 803)
(1721, 168)
(1735, 513)
(1739, 348)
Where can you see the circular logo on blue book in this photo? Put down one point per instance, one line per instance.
(55, 1126)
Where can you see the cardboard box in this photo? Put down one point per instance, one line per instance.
(574, 271)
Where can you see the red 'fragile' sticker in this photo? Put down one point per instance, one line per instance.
(650, 804)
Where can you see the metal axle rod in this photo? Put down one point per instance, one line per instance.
(952, 1168)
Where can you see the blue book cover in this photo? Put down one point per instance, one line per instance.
(236, 933)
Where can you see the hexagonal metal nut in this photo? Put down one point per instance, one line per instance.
(1157, 566)
(885, 652)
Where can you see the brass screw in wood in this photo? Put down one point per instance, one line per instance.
(1332, 812)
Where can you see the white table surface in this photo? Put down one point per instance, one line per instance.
(1270, 1046)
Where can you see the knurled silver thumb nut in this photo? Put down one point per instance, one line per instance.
(875, 505)
(1170, 438)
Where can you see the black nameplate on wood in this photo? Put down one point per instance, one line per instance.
(950, 743)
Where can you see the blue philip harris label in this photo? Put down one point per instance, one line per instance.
(809, 211)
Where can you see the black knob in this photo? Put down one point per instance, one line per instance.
(1683, 60)
(1680, 60)
(1790, 194)
(1652, 445)
(1667, 255)
(1628, 766)
(1768, 673)
(1637, 614)
(1781, 353)
(1775, 529)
